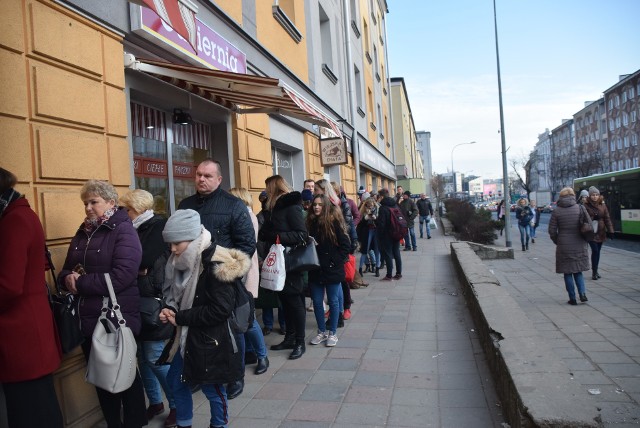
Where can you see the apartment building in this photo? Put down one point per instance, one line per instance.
(591, 155)
(563, 146)
(622, 111)
(423, 146)
(108, 90)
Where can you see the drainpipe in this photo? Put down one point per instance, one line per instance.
(355, 149)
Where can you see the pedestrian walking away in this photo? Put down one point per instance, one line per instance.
(410, 210)
(572, 256)
(389, 247)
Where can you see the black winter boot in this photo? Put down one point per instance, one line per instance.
(298, 350)
(288, 343)
(377, 272)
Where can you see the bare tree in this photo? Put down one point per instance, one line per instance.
(437, 185)
(522, 169)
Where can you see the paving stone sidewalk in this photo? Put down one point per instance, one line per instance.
(598, 340)
(409, 357)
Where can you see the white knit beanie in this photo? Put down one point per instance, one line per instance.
(584, 194)
(184, 225)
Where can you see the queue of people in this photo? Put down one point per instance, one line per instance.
(188, 269)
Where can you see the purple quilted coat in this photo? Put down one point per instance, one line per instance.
(114, 247)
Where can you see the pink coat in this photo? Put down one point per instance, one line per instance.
(253, 277)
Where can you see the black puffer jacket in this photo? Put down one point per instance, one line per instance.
(332, 257)
(287, 222)
(226, 218)
(155, 253)
(351, 227)
(211, 354)
(383, 222)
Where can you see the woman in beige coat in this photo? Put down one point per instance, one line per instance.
(572, 255)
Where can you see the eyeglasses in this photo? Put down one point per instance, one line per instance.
(317, 205)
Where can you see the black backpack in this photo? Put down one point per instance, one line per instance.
(399, 227)
(242, 315)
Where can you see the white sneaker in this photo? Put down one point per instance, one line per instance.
(321, 337)
(332, 340)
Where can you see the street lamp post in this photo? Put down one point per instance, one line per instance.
(453, 177)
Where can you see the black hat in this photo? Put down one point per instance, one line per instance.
(407, 192)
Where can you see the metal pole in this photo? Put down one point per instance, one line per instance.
(505, 173)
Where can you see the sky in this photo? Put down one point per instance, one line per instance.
(554, 56)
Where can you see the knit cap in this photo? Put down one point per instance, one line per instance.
(365, 196)
(307, 196)
(184, 225)
(584, 194)
(593, 190)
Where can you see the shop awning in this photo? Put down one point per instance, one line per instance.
(240, 93)
(178, 14)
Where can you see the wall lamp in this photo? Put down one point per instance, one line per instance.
(181, 117)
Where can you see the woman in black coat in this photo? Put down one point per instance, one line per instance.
(284, 219)
(325, 224)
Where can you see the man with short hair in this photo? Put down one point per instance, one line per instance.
(399, 192)
(227, 219)
(410, 212)
(309, 183)
(425, 211)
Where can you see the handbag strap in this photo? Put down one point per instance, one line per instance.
(52, 268)
(115, 306)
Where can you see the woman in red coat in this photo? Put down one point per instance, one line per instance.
(29, 350)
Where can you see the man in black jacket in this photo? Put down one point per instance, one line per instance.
(389, 248)
(425, 210)
(410, 212)
(227, 219)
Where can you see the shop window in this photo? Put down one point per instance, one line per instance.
(283, 165)
(168, 178)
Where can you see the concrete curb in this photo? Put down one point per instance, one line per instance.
(534, 384)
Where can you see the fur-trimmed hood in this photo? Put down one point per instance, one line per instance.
(288, 199)
(230, 264)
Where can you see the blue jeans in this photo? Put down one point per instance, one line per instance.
(154, 377)
(532, 231)
(267, 317)
(317, 295)
(596, 247)
(411, 233)
(255, 340)
(524, 233)
(372, 247)
(424, 219)
(579, 282)
(215, 393)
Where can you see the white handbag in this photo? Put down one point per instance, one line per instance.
(112, 360)
(274, 273)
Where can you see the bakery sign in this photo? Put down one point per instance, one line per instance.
(333, 151)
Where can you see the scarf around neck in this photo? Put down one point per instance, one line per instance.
(182, 273)
(91, 224)
(137, 222)
(6, 198)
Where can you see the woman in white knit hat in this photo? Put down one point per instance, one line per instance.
(201, 280)
(599, 213)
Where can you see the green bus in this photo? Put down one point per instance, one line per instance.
(621, 191)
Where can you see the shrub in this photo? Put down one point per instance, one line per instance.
(470, 224)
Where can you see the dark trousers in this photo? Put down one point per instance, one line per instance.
(390, 250)
(130, 401)
(596, 247)
(32, 403)
(346, 293)
(295, 314)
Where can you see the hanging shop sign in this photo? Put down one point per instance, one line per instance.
(212, 50)
(333, 151)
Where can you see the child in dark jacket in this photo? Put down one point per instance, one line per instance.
(200, 288)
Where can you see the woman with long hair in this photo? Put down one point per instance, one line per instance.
(367, 236)
(524, 216)
(598, 212)
(284, 220)
(325, 224)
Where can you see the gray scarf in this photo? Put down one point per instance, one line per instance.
(182, 273)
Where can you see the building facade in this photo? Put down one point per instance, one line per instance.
(563, 144)
(622, 111)
(423, 146)
(106, 90)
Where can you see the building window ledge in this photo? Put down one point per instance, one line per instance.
(286, 23)
(384, 90)
(327, 71)
(361, 112)
(381, 40)
(373, 18)
(377, 76)
(368, 56)
(372, 125)
(381, 135)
